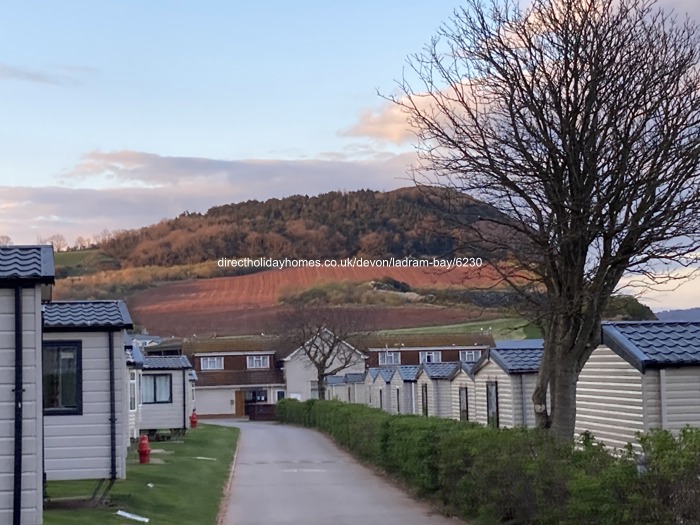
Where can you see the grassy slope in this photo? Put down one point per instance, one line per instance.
(500, 329)
(186, 490)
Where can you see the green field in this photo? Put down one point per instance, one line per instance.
(185, 489)
(83, 262)
(510, 328)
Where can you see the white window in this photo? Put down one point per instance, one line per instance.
(258, 361)
(156, 388)
(212, 363)
(132, 391)
(389, 358)
(430, 357)
(469, 356)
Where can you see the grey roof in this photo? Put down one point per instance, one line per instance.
(518, 360)
(469, 368)
(440, 370)
(27, 263)
(87, 314)
(354, 377)
(335, 380)
(166, 362)
(387, 373)
(520, 344)
(654, 344)
(409, 372)
(373, 373)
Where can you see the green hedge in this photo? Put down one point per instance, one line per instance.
(518, 476)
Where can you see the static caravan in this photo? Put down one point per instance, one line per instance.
(24, 272)
(644, 375)
(167, 394)
(463, 393)
(403, 389)
(370, 394)
(85, 390)
(433, 384)
(504, 381)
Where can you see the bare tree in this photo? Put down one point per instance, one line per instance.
(327, 336)
(58, 242)
(579, 121)
(5, 240)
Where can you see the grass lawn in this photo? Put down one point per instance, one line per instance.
(185, 489)
(511, 328)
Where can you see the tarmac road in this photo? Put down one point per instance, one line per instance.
(289, 475)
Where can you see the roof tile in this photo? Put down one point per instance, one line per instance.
(34, 263)
(86, 314)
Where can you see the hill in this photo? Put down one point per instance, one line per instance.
(336, 225)
(689, 314)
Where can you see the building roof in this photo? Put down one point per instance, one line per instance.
(520, 344)
(240, 345)
(27, 263)
(373, 373)
(440, 370)
(166, 362)
(430, 341)
(335, 380)
(408, 372)
(654, 344)
(86, 315)
(518, 360)
(387, 372)
(355, 377)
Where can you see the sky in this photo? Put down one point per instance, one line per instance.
(119, 114)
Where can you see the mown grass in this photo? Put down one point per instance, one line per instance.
(509, 328)
(185, 489)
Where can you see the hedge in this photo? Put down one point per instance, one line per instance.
(518, 476)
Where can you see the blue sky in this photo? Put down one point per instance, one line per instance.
(117, 114)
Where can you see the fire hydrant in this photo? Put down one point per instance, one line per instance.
(144, 450)
(193, 419)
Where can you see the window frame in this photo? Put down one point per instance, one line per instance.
(155, 394)
(209, 359)
(385, 361)
(133, 391)
(433, 353)
(463, 355)
(76, 345)
(264, 357)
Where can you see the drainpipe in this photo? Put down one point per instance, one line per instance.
(112, 411)
(522, 399)
(184, 400)
(19, 390)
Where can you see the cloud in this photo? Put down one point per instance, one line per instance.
(152, 170)
(386, 123)
(158, 187)
(70, 75)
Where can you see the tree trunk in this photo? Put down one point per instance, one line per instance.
(564, 391)
(539, 396)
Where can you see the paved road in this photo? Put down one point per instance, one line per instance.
(289, 475)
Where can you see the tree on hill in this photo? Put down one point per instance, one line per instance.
(325, 338)
(580, 122)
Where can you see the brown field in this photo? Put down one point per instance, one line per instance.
(249, 304)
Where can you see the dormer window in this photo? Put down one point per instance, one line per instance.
(389, 358)
(430, 357)
(258, 361)
(469, 356)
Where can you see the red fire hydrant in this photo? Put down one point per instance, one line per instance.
(193, 419)
(144, 450)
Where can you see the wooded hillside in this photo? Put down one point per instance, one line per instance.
(335, 225)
